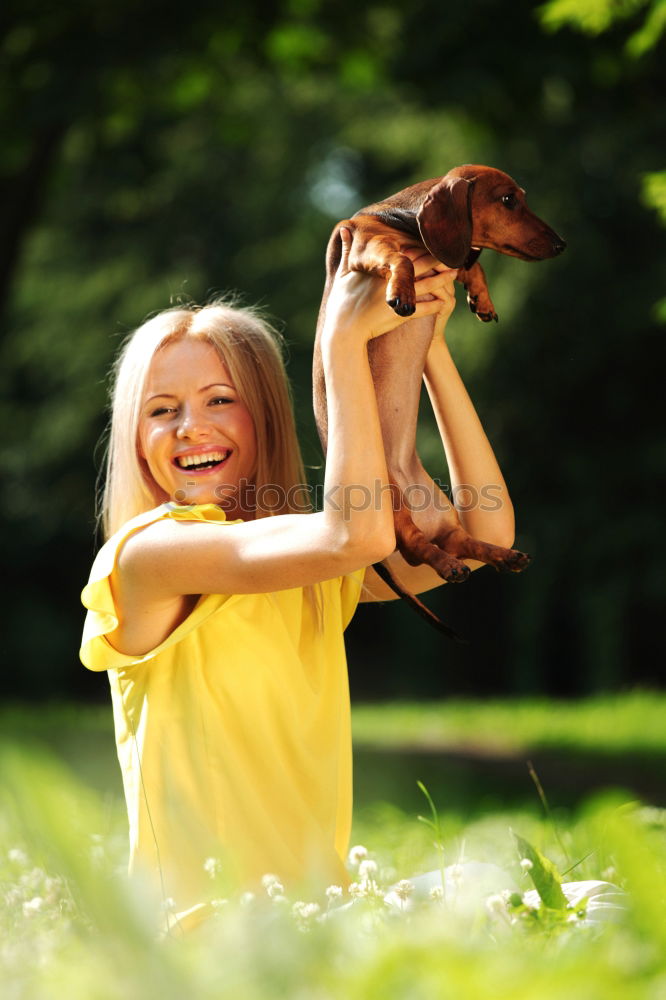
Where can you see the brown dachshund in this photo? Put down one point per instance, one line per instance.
(455, 217)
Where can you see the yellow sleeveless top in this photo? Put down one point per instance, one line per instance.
(233, 734)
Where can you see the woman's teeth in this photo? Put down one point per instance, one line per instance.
(198, 461)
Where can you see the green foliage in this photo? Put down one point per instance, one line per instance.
(592, 17)
(596, 16)
(654, 192)
(153, 154)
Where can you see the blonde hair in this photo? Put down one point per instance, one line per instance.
(252, 352)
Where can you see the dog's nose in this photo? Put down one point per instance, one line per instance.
(559, 246)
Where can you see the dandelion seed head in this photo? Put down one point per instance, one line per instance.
(357, 854)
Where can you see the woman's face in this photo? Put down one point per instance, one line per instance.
(196, 435)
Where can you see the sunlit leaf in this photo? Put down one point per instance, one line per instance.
(543, 873)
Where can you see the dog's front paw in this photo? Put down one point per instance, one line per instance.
(484, 310)
(401, 307)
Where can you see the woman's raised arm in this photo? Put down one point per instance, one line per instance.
(473, 468)
(169, 559)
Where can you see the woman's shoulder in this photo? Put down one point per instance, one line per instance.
(104, 603)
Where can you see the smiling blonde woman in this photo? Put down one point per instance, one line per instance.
(220, 620)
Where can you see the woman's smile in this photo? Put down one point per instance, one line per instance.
(202, 461)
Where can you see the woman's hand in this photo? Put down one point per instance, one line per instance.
(357, 301)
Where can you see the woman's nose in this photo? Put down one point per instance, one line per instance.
(191, 424)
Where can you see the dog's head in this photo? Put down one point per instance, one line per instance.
(474, 208)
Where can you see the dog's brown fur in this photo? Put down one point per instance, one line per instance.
(455, 217)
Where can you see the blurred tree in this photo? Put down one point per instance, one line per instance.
(155, 154)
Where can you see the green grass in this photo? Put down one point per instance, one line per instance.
(630, 723)
(71, 926)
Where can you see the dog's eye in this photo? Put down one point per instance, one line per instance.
(509, 201)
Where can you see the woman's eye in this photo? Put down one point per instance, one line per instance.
(161, 410)
(509, 201)
(220, 400)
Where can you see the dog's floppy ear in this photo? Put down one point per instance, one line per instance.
(445, 220)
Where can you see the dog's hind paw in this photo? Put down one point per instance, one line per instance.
(514, 562)
(456, 573)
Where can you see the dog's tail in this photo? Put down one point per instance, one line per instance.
(414, 603)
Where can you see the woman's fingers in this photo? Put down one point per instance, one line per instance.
(347, 239)
(439, 285)
(360, 299)
(424, 262)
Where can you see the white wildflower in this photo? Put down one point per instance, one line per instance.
(496, 905)
(356, 890)
(437, 894)
(357, 854)
(526, 864)
(18, 857)
(274, 890)
(247, 899)
(33, 906)
(269, 879)
(367, 869)
(305, 913)
(456, 873)
(212, 867)
(370, 889)
(333, 892)
(404, 889)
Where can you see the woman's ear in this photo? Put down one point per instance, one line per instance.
(445, 220)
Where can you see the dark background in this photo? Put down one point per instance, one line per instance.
(154, 152)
